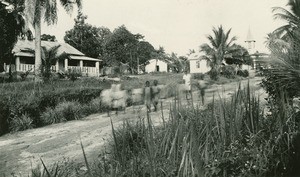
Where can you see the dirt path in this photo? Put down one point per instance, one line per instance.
(21, 151)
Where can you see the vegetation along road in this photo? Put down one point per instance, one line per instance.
(22, 151)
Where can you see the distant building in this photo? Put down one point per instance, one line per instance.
(257, 57)
(156, 65)
(197, 64)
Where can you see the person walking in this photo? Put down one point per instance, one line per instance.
(202, 85)
(187, 82)
(147, 96)
(155, 94)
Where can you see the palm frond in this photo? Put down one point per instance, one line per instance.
(50, 16)
(69, 5)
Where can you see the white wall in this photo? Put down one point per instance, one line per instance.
(151, 67)
(195, 69)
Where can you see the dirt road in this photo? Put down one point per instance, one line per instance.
(21, 151)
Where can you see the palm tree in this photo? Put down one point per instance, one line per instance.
(292, 17)
(220, 45)
(284, 44)
(35, 10)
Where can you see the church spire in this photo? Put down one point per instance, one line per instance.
(250, 41)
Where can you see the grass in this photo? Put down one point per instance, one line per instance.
(232, 137)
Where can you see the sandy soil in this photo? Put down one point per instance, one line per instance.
(21, 151)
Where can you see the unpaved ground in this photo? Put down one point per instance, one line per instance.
(21, 151)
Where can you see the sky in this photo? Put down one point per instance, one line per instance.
(177, 25)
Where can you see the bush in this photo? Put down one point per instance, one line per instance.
(73, 74)
(94, 106)
(30, 99)
(64, 111)
(243, 73)
(198, 76)
(214, 74)
(228, 71)
(20, 123)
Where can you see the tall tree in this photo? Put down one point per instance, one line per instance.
(12, 25)
(35, 11)
(284, 44)
(48, 37)
(143, 54)
(121, 46)
(220, 44)
(87, 38)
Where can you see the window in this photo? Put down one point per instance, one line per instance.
(198, 64)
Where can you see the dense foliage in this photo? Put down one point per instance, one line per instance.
(48, 37)
(11, 26)
(87, 38)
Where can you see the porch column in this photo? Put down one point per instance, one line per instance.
(18, 63)
(66, 64)
(97, 68)
(81, 65)
(57, 66)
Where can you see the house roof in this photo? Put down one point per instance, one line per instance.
(74, 57)
(25, 45)
(196, 56)
(154, 59)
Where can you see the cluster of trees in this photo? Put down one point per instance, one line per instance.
(115, 48)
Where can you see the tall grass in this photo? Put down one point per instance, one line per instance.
(230, 138)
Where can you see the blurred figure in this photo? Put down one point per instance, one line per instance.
(187, 82)
(202, 85)
(119, 97)
(106, 99)
(155, 94)
(137, 95)
(147, 96)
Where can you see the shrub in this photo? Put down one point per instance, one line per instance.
(19, 123)
(214, 74)
(26, 98)
(243, 73)
(94, 106)
(64, 111)
(73, 74)
(228, 71)
(198, 76)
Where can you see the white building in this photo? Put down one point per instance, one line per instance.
(156, 65)
(198, 65)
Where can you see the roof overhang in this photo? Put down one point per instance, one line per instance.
(24, 54)
(74, 57)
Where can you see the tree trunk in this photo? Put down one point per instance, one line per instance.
(37, 54)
